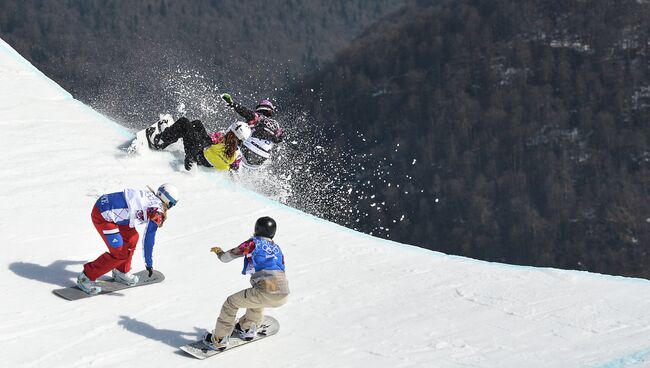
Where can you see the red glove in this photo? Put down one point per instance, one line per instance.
(155, 216)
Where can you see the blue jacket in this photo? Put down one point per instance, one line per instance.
(266, 255)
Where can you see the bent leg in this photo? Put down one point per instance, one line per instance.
(226, 321)
(193, 133)
(176, 131)
(115, 257)
(255, 315)
(130, 236)
(254, 301)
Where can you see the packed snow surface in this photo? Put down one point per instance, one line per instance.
(356, 301)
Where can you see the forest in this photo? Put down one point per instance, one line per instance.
(509, 131)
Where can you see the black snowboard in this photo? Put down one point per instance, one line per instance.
(109, 286)
(269, 326)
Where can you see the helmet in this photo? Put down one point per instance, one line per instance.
(265, 226)
(168, 193)
(265, 107)
(241, 130)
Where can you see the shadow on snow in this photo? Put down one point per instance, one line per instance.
(56, 273)
(172, 338)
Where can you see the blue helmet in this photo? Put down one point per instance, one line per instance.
(168, 194)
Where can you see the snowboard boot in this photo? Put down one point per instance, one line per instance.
(125, 278)
(218, 344)
(153, 139)
(154, 133)
(86, 285)
(246, 335)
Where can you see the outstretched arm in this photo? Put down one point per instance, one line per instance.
(239, 251)
(227, 256)
(244, 111)
(241, 110)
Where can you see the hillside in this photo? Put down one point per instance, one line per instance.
(511, 131)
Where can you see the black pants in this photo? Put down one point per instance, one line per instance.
(195, 139)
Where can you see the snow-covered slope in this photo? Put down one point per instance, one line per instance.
(356, 300)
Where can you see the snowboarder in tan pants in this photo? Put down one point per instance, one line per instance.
(263, 259)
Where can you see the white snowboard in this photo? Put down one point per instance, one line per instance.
(199, 350)
(140, 142)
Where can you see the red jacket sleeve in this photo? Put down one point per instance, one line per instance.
(247, 247)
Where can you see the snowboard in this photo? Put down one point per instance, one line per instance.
(198, 349)
(140, 142)
(109, 286)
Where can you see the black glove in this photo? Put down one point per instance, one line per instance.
(188, 163)
(150, 270)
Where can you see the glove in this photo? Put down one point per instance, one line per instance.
(235, 165)
(188, 163)
(150, 270)
(228, 98)
(279, 136)
(216, 250)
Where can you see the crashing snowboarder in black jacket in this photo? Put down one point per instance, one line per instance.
(265, 131)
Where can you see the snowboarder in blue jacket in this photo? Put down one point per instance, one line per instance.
(264, 261)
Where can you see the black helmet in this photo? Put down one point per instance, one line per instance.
(265, 226)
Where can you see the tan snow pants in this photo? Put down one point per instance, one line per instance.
(254, 301)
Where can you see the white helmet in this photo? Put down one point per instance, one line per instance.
(241, 130)
(168, 193)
